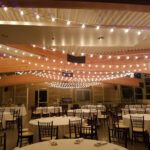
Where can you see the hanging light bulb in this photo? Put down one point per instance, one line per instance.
(83, 26)
(97, 27)
(53, 19)
(37, 17)
(68, 22)
(21, 13)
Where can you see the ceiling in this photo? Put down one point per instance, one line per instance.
(32, 40)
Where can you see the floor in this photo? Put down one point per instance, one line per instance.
(102, 135)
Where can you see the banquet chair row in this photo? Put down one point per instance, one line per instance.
(77, 129)
(44, 113)
(136, 111)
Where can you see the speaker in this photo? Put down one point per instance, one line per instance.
(137, 75)
(76, 59)
(67, 74)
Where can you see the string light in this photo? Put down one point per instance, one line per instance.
(112, 30)
(53, 19)
(97, 27)
(21, 13)
(5, 8)
(139, 32)
(83, 26)
(68, 22)
(126, 30)
(37, 17)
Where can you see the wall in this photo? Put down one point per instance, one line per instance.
(20, 95)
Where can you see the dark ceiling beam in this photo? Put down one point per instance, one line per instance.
(134, 5)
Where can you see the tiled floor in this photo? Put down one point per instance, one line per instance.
(102, 135)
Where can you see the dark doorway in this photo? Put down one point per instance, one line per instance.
(41, 98)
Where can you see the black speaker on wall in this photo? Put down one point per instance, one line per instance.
(76, 59)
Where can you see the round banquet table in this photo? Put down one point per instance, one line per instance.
(67, 144)
(126, 120)
(62, 122)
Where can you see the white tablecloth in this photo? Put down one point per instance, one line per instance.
(7, 115)
(62, 122)
(22, 109)
(49, 109)
(69, 144)
(126, 120)
(84, 111)
(100, 107)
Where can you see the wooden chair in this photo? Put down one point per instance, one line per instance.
(47, 131)
(12, 121)
(3, 140)
(90, 131)
(75, 129)
(45, 112)
(137, 126)
(23, 136)
(116, 135)
(1, 121)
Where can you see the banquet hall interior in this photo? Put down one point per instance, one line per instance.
(74, 74)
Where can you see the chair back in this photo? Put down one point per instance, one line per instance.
(75, 128)
(116, 135)
(45, 130)
(3, 140)
(137, 122)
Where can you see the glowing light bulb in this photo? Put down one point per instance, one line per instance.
(5, 8)
(83, 26)
(112, 30)
(37, 17)
(53, 19)
(21, 13)
(68, 22)
(97, 27)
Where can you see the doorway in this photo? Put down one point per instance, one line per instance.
(40, 98)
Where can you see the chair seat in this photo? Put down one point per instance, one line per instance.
(45, 138)
(26, 134)
(85, 125)
(120, 121)
(25, 130)
(138, 129)
(103, 117)
(121, 125)
(67, 135)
